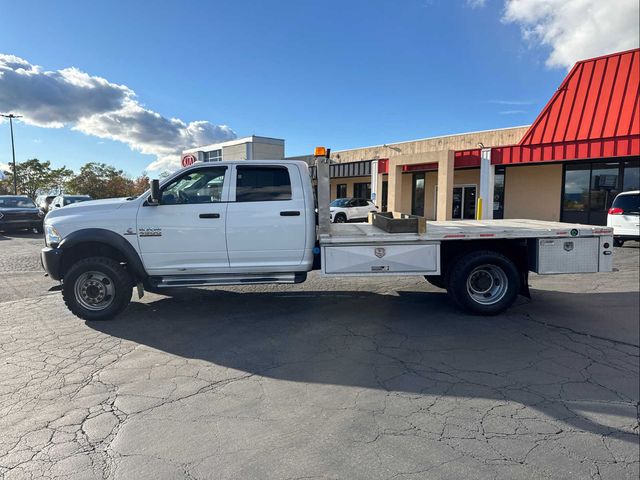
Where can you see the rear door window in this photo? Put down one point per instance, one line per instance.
(630, 204)
(262, 184)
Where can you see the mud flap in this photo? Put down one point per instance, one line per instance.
(524, 284)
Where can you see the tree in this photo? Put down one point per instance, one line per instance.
(100, 180)
(34, 176)
(140, 184)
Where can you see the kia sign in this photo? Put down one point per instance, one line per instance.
(188, 160)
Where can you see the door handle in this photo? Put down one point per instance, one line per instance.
(209, 215)
(290, 213)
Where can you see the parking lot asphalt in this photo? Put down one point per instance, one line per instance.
(350, 379)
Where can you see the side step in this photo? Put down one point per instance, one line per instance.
(226, 279)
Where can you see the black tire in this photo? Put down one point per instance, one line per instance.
(340, 218)
(485, 269)
(436, 280)
(617, 242)
(115, 281)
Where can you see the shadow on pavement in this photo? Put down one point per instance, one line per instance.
(414, 342)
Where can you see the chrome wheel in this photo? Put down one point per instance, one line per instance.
(487, 284)
(94, 290)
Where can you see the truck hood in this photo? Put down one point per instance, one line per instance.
(88, 207)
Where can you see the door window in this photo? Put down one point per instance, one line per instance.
(262, 184)
(199, 186)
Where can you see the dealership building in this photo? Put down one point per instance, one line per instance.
(568, 165)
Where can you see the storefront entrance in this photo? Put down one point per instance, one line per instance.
(464, 202)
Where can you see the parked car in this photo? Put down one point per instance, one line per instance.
(19, 212)
(43, 202)
(344, 210)
(624, 217)
(64, 200)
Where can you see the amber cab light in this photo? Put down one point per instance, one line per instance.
(616, 211)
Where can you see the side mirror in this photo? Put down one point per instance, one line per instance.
(154, 199)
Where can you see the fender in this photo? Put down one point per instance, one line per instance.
(111, 238)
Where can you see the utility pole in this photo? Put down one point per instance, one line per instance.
(11, 116)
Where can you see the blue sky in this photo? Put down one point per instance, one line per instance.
(338, 73)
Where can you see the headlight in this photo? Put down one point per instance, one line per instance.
(1, 215)
(40, 213)
(52, 236)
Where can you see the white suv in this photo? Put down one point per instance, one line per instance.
(624, 217)
(350, 209)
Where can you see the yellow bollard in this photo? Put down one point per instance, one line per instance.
(479, 209)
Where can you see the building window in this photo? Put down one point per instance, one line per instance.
(262, 184)
(213, 156)
(341, 190)
(631, 176)
(590, 187)
(362, 190)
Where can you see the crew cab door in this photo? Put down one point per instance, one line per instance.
(185, 233)
(266, 217)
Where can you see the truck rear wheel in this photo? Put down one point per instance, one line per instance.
(484, 282)
(97, 288)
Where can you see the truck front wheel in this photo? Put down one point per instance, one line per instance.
(483, 282)
(96, 288)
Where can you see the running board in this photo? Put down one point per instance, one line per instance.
(226, 279)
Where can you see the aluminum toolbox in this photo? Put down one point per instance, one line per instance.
(570, 255)
(382, 259)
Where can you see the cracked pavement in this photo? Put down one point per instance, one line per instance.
(330, 379)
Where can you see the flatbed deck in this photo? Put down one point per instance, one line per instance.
(365, 233)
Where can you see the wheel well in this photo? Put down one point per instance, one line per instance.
(89, 249)
(515, 250)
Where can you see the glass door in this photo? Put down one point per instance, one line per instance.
(417, 199)
(464, 202)
(469, 199)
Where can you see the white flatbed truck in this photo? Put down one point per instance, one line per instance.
(251, 222)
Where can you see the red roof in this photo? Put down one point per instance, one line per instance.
(598, 99)
(595, 113)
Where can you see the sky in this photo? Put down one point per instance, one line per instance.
(132, 84)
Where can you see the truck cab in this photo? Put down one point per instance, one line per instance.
(212, 223)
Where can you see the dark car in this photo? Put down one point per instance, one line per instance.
(18, 213)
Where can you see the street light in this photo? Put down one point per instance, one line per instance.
(11, 116)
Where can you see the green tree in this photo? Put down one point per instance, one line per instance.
(100, 180)
(34, 176)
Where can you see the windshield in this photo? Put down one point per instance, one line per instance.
(339, 202)
(70, 200)
(16, 202)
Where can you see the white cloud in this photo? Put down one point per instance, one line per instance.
(476, 3)
(95, 106)
(576, 29)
